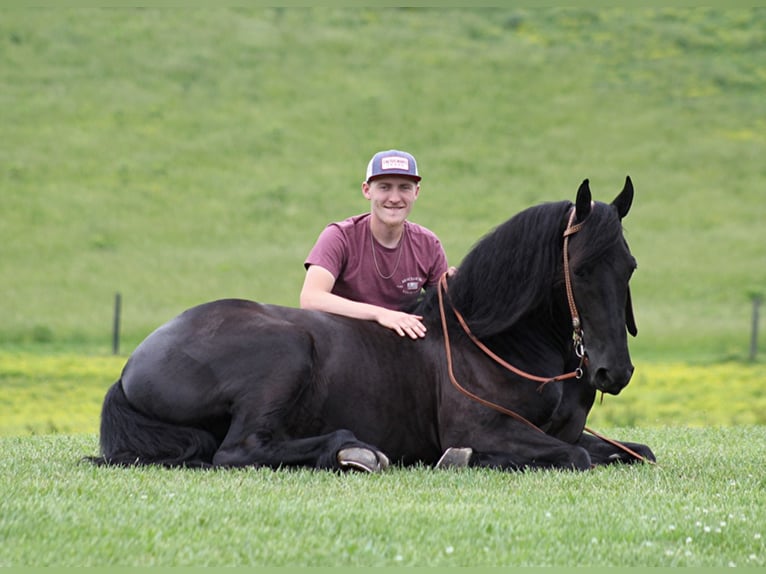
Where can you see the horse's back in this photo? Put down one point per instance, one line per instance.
(196, 364)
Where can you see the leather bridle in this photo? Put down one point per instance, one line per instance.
(577, 341)
(577, 332)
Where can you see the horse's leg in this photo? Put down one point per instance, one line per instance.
(271, 424)
(339, 449)
(602, 452)
(518, 448)
(274, 412)
(562, 457)
(569, 420)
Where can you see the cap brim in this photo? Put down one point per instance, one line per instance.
(416, 178)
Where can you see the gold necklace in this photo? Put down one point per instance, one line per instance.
(398, 257)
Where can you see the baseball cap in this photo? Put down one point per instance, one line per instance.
(392, 162)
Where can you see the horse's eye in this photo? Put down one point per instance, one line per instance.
(582, 272)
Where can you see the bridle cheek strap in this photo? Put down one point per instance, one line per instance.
(577, 332)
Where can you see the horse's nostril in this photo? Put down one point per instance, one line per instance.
(612, 381)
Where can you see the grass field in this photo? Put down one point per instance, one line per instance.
(178, 156)
(703, 505)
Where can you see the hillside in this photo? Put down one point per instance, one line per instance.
(177, 156)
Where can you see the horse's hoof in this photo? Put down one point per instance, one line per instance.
(455, 458)
(362, 459)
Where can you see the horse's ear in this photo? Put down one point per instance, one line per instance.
(624, 200)
(630, 319)
(583, 205)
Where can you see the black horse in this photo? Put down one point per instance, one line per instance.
(545, 303)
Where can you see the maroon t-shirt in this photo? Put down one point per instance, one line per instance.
(391, 278)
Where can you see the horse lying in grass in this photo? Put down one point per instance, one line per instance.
(519, 341)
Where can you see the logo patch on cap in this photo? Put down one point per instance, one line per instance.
(395, 162)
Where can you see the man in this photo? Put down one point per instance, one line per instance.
(373, 265)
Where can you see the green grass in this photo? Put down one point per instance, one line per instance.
(178, 156)
(703, 505)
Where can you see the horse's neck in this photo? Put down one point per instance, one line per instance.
(531, 344)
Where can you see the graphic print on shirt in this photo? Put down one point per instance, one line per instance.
(411, 285)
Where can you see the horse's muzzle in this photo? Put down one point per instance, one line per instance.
(611, 381)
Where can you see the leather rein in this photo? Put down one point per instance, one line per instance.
(577, 341)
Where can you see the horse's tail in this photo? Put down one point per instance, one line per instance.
(130, 438)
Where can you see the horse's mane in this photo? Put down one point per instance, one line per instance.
(513, 270)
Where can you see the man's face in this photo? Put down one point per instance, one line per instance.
(391, 197)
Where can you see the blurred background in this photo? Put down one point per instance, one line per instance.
(176, 156)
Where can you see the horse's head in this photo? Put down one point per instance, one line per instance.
(600, 267)
(510, 290)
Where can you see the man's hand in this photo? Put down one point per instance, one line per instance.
(403, 323)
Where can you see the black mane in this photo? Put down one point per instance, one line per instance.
(513, 270)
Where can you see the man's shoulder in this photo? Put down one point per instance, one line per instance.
(351, 224)
(421, 232)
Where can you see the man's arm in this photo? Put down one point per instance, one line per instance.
(317, 294)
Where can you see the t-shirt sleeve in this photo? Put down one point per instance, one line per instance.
(330, 251)
(439, 266)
